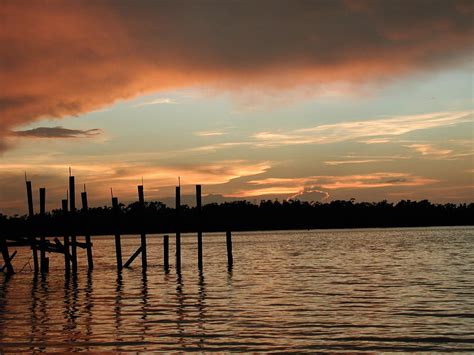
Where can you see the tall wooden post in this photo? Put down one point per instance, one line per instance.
(31, 213)
(85, 207)
(199, 224)
(72, 210)
(118, 246)
(230, 258)
(178, 227)
(141, 200)
(166, 263)
(67, 259)
(44, 261)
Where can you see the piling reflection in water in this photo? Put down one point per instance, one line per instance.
(405, 290)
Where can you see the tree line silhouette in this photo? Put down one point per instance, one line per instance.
(242, 215)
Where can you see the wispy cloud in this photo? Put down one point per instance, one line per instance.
(375, 141)
(361, 161)
(218, 146)
(346, 131)
(373, 180)
(57, 132)
(159, 101)
(430, 149)
(210, 133)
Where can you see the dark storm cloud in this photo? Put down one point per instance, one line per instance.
(57, 132)
(62, 58)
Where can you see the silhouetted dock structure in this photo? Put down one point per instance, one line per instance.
(39, 241)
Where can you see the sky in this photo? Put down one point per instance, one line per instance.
(270, 99)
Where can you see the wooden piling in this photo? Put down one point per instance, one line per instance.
(72, 210)
(67, 259)
(141, 200)
(178, 227)
(31, 213)
(85, 207)
(199, 224)
(230, 258)
(166, 264)
(44, 260)
(118, 246)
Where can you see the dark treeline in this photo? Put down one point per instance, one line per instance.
(243, 215)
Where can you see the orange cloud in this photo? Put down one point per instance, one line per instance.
(62, 58)
(121, 176)
(300, 186)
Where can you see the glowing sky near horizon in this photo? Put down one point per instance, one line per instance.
(314, 100)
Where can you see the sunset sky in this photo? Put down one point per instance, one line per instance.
(316, 100)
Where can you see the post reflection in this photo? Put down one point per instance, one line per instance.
(201, 304)
(33, 308)
(118, 309)
(3, 305)
(89, 304)
(180, 308)
(70, 314)
(43, 308)
(144, 304)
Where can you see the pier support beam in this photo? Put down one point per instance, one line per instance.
(85, 207)
(67, 259)
(178, 227)
(166, 254)
(72, 210)
(230, 258)
(141, 200)
(31, 213)
(44, 260)
(118, 245)
(199, 224)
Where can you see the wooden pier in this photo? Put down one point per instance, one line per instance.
(38, 240)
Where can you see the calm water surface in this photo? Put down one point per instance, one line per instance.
(366, 290)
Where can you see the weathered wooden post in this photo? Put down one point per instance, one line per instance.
(199, 224)
(141, 200)
(118, 246)
(67, 259)
(31, 213)
(72, 219)
(85, 207)
(230, 258)
(166, 252)
(43, 258)
(178, 229)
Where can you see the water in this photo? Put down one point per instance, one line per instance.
(301, 291)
